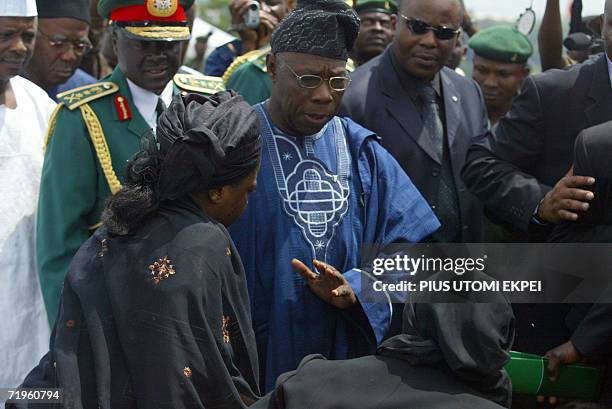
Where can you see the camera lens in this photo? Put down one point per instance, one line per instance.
(253, 7)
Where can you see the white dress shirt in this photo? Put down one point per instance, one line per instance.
(146, 101)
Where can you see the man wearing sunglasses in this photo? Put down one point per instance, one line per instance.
(62, 41)
(325, 188)
(425, 113)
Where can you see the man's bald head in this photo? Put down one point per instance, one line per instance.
(404, 6)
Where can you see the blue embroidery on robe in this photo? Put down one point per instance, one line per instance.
(315, 198)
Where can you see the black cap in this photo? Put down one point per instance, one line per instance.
(327, 28)
(78, 9)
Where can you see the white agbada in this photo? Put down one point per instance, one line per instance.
(24, 328)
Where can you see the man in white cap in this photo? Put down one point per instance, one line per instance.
(24, 113)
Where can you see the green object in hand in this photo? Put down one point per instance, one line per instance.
(529, 377)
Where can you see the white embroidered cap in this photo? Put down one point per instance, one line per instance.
(18, 8)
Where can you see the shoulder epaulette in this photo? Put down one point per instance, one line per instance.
(255, 56)
(76, 97)
(260, 62)
(350, 65)
(202, 84)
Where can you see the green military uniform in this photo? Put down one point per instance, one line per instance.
(248, 75)
(507, 45)
(93, 133)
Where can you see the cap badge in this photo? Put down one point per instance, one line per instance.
(514, 58)
(162, 8)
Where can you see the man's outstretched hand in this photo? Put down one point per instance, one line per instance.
(567, 199)
(330, 285)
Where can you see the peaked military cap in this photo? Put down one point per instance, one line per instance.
(78, 9)
(381, 6)
(150, 20)
(503, 44)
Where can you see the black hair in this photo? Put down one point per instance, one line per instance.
(138, 199)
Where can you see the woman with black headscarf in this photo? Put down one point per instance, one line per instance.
(154, 309)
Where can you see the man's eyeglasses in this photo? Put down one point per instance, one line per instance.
(312, 81)
(419, 27)
(63, 44)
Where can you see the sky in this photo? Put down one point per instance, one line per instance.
(511, 9)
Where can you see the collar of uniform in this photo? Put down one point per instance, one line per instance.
(410, 82)
(146, 101)
(609, 69)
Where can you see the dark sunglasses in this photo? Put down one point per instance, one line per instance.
(419, 27)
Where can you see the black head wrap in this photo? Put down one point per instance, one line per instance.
(327, 28)
(471, 338)
(78, 9)
(204, 142)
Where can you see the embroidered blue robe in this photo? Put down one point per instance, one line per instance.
(322, 196)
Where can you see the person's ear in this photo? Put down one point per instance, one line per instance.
(290, 5)
(393, 21)
(216, 195)
(271, 66)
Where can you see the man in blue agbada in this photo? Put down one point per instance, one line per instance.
(326, 188)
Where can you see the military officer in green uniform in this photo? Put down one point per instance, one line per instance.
(501, 55)
(378, 20)
(97, 128)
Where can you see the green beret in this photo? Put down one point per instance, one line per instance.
(502, 43)
(364, 6)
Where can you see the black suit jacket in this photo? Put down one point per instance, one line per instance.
(531, 148)
(377, 100)
(592, 329)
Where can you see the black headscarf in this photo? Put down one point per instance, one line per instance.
(327, 28)
(204, 142)
(472, 339)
